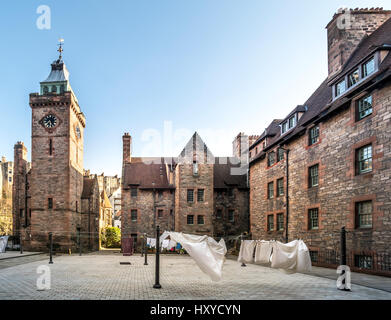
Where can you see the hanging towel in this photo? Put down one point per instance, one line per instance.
(207, 253)
(246, 252)
(263, 251)
(171, 244)
(152, 243)
(3, 243)
(165, 244)
(303, 258)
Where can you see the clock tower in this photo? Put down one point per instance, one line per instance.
(56, 176)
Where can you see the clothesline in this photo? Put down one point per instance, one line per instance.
(291, 257)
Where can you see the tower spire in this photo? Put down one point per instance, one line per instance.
(60, 50)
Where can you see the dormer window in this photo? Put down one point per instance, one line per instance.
(289, 124)
(359, 74)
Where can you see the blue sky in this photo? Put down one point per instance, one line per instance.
(213, 66)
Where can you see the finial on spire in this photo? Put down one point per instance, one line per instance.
(61, 41)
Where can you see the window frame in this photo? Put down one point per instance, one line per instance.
(190, 191)
(190, 216)
(359, 161)
(271, 156)
(311, 176)
(133, 212)
(279, 223)
(202, 217)
(279, 194)
(312, 139)
(311, 220)
(231, 215)
(358, 105)
(200, 198)
(133, 192)
(270, 192)
(270, 222)
(359, 214)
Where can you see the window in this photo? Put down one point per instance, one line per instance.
(190, 219)
(200, 219)
(313, 219)
(133, 192)
(364, 214)
(340, 88)
(195, 168)
(270, 190)
(364, 159)
(353, 78)
(314, 135)
(200, 195)
(314, 256)
(9, 179)
(280, 154)
(271, 158)
(231, 215)
(50, 147)
(219, 214)
(21, 213)
(171, 212)
(133, 215)
(45, 90)
(230, 192)
(190, 195)
(363, 262)
(313, 178)
(54, 88)
(284, 127)
(160, 213)
(291, 122)
(270, 222)
(364, 107)
(160, 195)
(280, 221)
(50, 203)
(368, 68)
(280, 187)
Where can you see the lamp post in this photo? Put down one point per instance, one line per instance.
(51, 247)
(286, 193)
(157, 264)
(146, 250)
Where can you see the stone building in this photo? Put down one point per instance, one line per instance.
(115, 200)
(337, 148)
(194, 193)
(49, 196)
(6, 181)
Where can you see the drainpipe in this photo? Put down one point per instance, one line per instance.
(287, 195)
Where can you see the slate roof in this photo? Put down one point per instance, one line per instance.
(58, 73)
(224, 174)
(320, 104)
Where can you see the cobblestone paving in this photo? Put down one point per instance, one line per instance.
(102, 277)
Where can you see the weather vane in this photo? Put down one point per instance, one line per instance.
(61, 41)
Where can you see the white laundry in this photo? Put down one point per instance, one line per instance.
(151, 242)
(208, 254)
(3, 243)
(291, 257)
(171, 244)
(263, 251)
(246, 252)
(165, 244)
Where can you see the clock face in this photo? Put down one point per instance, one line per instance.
(50, 121)
(78, 132)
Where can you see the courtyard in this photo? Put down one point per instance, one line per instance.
(101, 276)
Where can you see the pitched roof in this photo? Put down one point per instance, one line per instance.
(196, 149)
(105, 200)
(227, 172)
(143, 175)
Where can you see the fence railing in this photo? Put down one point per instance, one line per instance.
(366, 262)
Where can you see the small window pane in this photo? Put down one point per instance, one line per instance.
(369, 67)
(280, 221)
(313, 219)
(280, 187)
(190, 195)
(364, 107)
(313, 176)
(231, 215)
(190, 219)
(133, 214)
(200, 195)
(363, 262)
(271, 158)
(133, 192)
(280, 154)
(340, 88)
(364, 159)
(270, 222)
(314, 135)
(270, 190)
(353, 78)
(292, 122)
(364, 214)
(200, 219)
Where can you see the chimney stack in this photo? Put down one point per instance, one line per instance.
(345, 31)
(127, 150)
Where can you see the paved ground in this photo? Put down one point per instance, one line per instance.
(16, 254)
(100, 276)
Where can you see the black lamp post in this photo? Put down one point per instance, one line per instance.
(157, 264)
(146, 250)
(50, 248)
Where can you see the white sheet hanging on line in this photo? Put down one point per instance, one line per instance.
(246, 252)
(207, 253)
(263, 251)
(3, 243)
(291, 257)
